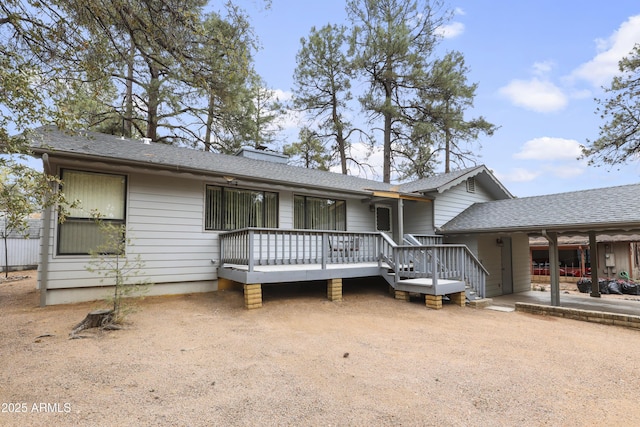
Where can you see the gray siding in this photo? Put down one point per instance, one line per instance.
(490, 257)
(165, 221)
(521, 263)
(359, 218)
(418, 217)
(165, 225)
(452, 202)
(285, 210)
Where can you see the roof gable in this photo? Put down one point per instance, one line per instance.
(440, 183)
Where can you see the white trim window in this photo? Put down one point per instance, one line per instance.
(98, 194)
(314, 213)
(234, 208)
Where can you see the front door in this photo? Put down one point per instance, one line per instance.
(507, 270)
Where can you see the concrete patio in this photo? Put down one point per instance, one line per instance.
(606, 304)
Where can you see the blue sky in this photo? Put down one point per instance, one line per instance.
(539, 65)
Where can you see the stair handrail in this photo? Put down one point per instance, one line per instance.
(477, 285)
(387, 253)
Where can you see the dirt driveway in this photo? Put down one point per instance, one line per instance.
(202, 360)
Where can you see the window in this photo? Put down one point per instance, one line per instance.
(233, 208)
(97, 192)
(383, 218)
(319, 214)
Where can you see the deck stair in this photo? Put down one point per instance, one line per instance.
(462, 265)
(413, 268)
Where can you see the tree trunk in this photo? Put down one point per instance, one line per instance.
(128, 114)
(386, 168)
(153, 93)
(210, 110)
(95, 319)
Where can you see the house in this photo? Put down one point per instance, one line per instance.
(201, 220)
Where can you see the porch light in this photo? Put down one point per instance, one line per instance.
(499, 241)
(229, 179)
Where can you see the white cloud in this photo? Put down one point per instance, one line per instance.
(451, 30)
(543, 68)
(282, 95)
(459, 11)
(549, 149)
(537, 95)
(518, 175)
(566, 171)
(600, 70)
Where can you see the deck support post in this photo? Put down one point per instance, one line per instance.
(433, 301)
(401, 295)
(459, 298)
(252, 296)
(334, 289)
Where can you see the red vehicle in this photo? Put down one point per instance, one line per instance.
(542, 269)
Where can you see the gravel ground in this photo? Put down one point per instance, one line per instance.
(202, 360)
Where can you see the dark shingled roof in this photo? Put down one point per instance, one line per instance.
(115, 149)
(613, 208)
(92, 145)
(443, 182)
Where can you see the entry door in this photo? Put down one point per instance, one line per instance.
(507, 270)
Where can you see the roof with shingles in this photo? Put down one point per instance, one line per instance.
(440, 183)
(128, 151)
(93, 145)
(613, 208)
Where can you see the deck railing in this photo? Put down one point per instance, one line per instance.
(272, 246)
(269, 246)
(453, 261)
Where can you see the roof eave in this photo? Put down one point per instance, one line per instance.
(558, 228)
(39, 151)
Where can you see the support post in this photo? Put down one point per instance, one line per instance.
(252, 296)
(334, 289)
(554, 270)
(593, 257)
(44, 256)
(459, 298)
(250, 259)
(433, 301)
(401, 295)
(400, 220)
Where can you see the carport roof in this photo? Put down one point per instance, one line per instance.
(612, 209)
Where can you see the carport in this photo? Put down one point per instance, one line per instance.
(612, 210)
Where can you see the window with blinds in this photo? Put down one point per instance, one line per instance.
(233, 208)
(98, 194)
(314, 213)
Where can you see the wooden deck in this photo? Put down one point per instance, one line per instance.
(297, 272)
(257, 256)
